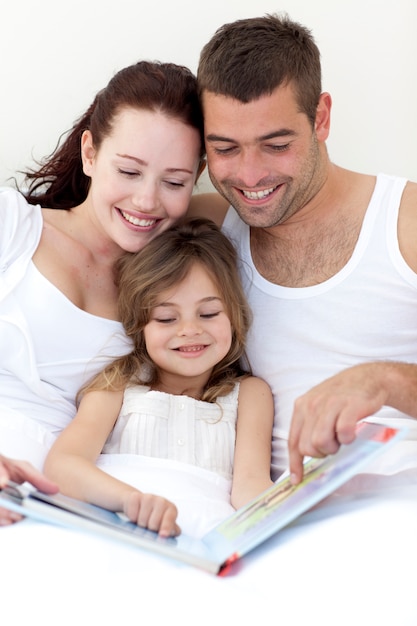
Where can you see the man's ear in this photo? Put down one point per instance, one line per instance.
(88, 152)
(201, 167)
(322, 123)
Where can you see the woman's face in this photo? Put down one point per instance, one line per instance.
(142, 176)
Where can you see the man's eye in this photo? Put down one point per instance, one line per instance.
(225, 151)
(279, 147)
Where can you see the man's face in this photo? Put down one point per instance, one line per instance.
(264, 157)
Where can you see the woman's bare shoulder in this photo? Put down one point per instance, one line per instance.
(210, 205)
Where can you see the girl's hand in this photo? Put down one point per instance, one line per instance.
(153, 512)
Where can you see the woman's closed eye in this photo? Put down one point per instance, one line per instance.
(175, 184)
(128, 173)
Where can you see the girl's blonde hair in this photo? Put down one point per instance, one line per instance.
(162, 264)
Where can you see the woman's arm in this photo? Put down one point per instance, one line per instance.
(71, 463)
(252, 464)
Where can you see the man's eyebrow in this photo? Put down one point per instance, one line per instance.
(282, 132)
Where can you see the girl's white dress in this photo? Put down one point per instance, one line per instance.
(179, 428)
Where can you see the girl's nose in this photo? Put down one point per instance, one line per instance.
(189, 328)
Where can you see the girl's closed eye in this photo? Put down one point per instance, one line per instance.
(163, 320)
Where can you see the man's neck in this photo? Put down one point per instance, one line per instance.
(315, 244)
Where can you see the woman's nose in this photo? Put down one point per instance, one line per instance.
(145, 197)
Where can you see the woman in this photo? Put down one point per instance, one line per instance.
(124, 174)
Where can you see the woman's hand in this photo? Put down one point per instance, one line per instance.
(20, 472)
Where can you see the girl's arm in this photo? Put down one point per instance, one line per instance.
(252, 464)
(71, 463)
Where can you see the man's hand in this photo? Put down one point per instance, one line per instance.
(326, 416)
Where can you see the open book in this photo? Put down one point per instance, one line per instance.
(240, 533)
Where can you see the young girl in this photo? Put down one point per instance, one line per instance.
(181, 393)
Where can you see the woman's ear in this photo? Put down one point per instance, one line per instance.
(322, 123)
(88, 152)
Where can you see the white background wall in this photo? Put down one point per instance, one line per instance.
(55, 55)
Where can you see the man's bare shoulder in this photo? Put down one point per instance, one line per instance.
(410, 193)
(407, 225)
(210, 205)
(408, 209)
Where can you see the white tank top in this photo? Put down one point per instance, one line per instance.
(70, 347)
(366, 312)
(48, 346)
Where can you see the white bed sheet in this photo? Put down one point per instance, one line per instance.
(350, 560)
(347, 562)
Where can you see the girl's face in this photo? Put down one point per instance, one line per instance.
(142, 176)
(189, 332)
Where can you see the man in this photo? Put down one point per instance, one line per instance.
(329, 259)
